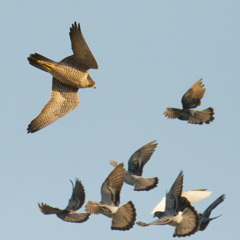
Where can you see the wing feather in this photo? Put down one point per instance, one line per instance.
(80, 47)
(64, 99)
(112, 186)
(192, 98)
(78, 196)
(91, 207)
(140, 158)
(173, 113)
(194, 196)
(173, 196)
(46, 209)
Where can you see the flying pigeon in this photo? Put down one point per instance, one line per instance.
(192, 99)
(75, 202)
(123, 217)
(135, 168)
(178, 212)
(204, 218)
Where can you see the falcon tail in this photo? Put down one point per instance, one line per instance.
(34, 61)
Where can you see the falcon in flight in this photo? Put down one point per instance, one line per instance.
(69, 75)
(192, 99)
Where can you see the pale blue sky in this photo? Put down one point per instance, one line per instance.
(149, 53)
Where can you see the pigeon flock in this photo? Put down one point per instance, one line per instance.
(176, 208)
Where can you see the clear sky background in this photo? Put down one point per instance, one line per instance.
(149, 54)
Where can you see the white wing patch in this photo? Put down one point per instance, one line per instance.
(193, 196)
(196, 195)
(160, 207)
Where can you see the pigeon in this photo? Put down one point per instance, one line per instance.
(69, 75)
(178, 212)
(204, 218)
(123, 217)
(135, 168)
(192, 196)
(192, 99)
(75, 202)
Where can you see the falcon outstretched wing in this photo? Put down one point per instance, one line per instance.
(64, 99)
(80, 47)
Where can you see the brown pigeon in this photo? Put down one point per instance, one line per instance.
(75, 202)
(69, 75)
(192, 99)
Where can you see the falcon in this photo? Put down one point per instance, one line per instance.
(75, 202)
(135, 168)
(69, 75)
(123, 217)
(192, 99)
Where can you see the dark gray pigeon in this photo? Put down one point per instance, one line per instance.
(135, 168)
(192, 99)
(178, 212)
(75, 202)
(204, 218)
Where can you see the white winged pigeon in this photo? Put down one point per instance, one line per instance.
(192, 196)
(178, 212)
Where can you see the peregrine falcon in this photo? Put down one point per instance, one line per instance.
(192, 99)
(69, 75)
